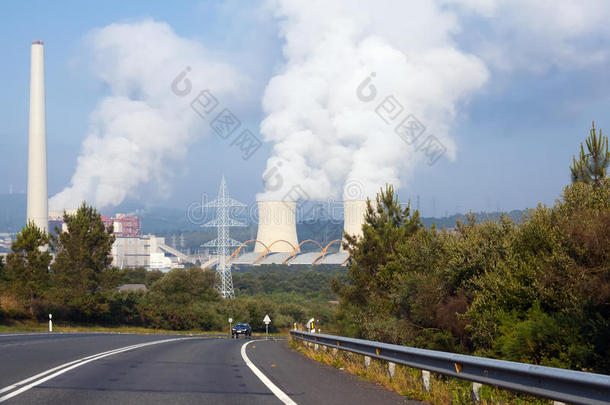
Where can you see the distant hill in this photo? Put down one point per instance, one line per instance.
(12, 212)
(449, 222)
(170, 221)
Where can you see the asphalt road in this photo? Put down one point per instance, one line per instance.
(170, 370)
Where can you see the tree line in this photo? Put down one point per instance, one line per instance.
(537, 291)
(80, 286)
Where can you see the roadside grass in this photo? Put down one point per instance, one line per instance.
(33, 326)
(408, 382)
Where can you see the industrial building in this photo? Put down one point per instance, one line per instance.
(276, 242)
(123, 225)
(147, 251)
(131, 248)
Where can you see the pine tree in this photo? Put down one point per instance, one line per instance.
(2, 272)
(591, 167)
(83, 257)
(386, 225)
(28, 265)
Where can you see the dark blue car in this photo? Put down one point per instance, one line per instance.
(241, 329)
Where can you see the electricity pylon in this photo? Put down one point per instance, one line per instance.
(223, 242)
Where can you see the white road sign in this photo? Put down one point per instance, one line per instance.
(267, 320)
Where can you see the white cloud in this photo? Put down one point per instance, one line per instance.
(538, 35)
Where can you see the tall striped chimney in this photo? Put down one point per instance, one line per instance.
(37, 210)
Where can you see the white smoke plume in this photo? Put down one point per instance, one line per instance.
(325, 137)
(142, 124)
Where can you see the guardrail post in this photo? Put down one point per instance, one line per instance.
(425, 379)
(391, 369)
(367, 361)
(476, 392)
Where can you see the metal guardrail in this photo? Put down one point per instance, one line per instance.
(554, 383)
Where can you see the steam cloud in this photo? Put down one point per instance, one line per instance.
(141, 124)
(325, 138)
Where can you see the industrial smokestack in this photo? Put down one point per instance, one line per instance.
(353, 217)
(37, 209)
(277, 222)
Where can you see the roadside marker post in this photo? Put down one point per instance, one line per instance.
(50, 323)
(231, 327)
(267, 321)
(310, 325)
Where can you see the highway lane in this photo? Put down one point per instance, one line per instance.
(23, 355)
(193, 370)
(310, 382)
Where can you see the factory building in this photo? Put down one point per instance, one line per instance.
(277, 240)
(131, 248)
(147, 251)
(123, 225)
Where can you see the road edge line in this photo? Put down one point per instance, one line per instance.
(264, 379)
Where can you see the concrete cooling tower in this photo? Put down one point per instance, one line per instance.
(353, 217)
(37, 206)
(277, 221)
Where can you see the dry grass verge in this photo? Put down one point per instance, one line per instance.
(408, 382)
(33, 326)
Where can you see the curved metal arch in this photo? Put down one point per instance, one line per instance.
(323, 252)
(346, 259)
(293, 254)
(234, 254)
(266, 251)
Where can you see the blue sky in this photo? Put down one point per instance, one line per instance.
(514, 136)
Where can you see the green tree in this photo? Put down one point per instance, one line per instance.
(133, 275)
(386, 225)
(28, 265)
(183, 287)
(83, 257)
(367, 304)
(2, 273)
(181, 300)
(591, 167)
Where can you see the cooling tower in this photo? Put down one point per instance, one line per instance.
(277, 221)
(37, 209)
(353, 217)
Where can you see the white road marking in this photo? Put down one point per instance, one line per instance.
(25, 334)
(27, 380)
(276, 391)
(69, 366)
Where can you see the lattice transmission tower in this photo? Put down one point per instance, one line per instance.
(223, 205)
